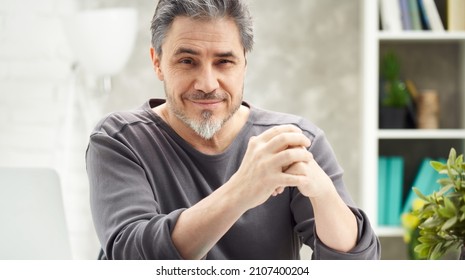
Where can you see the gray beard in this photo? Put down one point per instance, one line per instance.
(207, 127)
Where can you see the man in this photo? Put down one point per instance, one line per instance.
(203, 174)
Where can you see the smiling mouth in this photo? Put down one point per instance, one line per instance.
(209, 104)
(206, 100)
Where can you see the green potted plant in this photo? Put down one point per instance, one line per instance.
(441, 216)
(395, 97)
(410, 224)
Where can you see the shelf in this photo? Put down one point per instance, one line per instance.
(421, 36)
(421, 134)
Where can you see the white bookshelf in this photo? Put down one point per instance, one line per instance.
(421, 134)
(374, 138)
(420, 36)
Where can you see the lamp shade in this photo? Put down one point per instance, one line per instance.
(102, 40)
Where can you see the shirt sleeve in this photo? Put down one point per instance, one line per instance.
(368, 246)
(125, 212)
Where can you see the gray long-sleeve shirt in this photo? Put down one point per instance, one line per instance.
(143, 175)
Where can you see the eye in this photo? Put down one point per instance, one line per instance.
(224, 61)
(188, 61)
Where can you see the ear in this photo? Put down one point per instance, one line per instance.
(156, 63)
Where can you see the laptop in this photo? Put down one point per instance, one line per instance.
(32, 219)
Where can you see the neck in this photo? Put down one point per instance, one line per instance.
(218, 143)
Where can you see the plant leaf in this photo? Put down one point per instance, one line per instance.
(422, 250)
(452, 156)
(445, 181)
(459, 161)
(437, 252)
(419, 194)
(448, 204)
(445, 213)
(462, 218)
(438, 166)
(431, 223)
(445, 189)
(449, 223)
(428, 239)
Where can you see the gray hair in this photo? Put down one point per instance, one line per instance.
(167, 10)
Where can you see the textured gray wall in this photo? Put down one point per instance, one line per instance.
(305, 61)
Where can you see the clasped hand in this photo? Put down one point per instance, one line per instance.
(276, 159)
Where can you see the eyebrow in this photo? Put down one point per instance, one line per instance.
(187, 51)
(194, 52)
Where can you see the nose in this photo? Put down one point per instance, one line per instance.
(207, 80)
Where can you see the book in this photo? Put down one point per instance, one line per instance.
(396, 179)
(423, 181)
(426, 181)
(405, 15)
(432, 14)
(455, 15)
(423, 16)
(414, 14)
(442, 5)
(382, 190)
(390, 15)
(390, 186)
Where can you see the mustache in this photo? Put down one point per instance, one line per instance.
(199, 95)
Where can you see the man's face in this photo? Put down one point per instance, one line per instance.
(202, 66)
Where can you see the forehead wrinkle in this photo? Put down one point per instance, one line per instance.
(201, 39)
(198, 50)
(196, 38)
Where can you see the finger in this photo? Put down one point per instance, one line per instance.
(278, 191)
(277, 130)
(291, 180)
(298, 168)
(288, 157)
(284, 169)
(287, 140)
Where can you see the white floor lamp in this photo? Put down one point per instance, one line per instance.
(101, 41)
